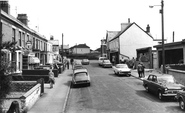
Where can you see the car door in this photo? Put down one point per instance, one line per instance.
(149, 82)
(155, 84)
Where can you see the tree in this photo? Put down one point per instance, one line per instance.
(5, 67)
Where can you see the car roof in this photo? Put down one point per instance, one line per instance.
(160, 75)
(102, 58)
(80, 70)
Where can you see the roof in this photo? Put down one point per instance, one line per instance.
(170, 44)
(111, 34)
(18, 22)
(80, 46)
(126, 28)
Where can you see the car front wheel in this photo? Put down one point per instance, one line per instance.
(160, 96)
(147, 89)
(181, 104)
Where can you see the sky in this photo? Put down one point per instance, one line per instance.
(86, 21)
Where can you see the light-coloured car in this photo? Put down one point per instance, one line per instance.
(85, 61)
(100, 60)
(121, 69)
(80, 76)
(78, 67)
(106, 63)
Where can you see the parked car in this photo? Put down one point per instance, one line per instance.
(80, 77)
(85, 62)
(106, 63)
(78, 67)
(164, 85)
(100, 60)
(122, 69)
(181, 99)
(77, 62)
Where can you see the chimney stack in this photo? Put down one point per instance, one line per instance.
(148, 29)
(51, 37)
(5, 6)
(23, 18)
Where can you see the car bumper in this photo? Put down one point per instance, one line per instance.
(169, 95)
(85, 63)
(125, 73)
(81, 82)
(107, 65)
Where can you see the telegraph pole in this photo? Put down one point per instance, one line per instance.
(1, 38)
(162, 21)
(62, 48)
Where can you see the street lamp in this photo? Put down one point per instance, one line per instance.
(162, 22)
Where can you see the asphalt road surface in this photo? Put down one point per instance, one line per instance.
(109, 93)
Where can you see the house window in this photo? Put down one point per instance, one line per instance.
(33, 43)
(28, 37)
(20, 38)
(13, 35)
(23, 39)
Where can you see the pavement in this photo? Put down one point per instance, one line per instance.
(54, 100)
(134, 73)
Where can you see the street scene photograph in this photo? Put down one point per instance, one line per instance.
(92, 56)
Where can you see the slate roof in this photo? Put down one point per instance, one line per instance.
(111, 34)
(80, 46)
(126, 28)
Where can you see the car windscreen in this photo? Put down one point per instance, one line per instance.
(106, 61)
(121, 66)
(82, 74)
(166, 80)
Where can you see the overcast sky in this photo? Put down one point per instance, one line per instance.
(86, 21)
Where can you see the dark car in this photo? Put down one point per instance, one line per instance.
(164, 85)
(181, 99)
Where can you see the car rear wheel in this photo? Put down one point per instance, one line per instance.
(160, 96)
(181, 104)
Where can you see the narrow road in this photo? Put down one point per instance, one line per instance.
(109, 93)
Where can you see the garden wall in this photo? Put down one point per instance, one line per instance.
(178, 74)
(25, 92)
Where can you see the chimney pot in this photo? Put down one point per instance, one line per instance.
(128, 20)
(148, 29)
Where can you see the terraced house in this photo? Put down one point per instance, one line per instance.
(31, 48)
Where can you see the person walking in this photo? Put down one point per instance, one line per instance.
(139, 69)
(143, 71)
(67, 64)
(72, 61)
(51, 77)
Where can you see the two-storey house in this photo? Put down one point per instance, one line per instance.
(30, 49)
(80, 49)
(123, 44)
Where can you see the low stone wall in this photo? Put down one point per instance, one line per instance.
(26, 96)
(30, 97)
(178, 75)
